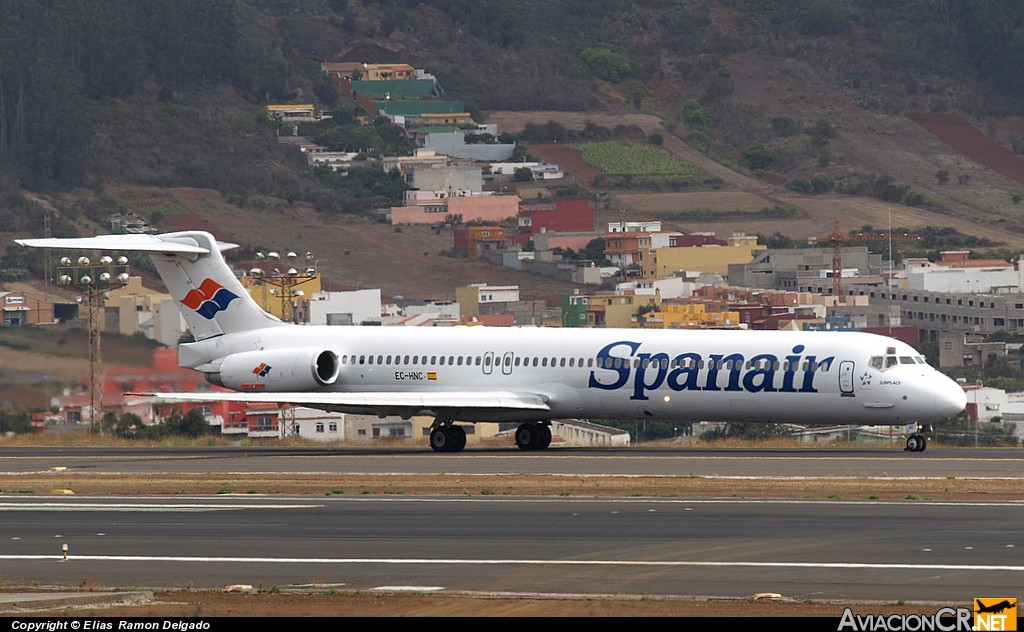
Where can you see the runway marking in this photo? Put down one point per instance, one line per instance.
(511, 562)
(142, 507)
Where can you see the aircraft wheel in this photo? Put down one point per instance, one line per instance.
(527, 436)
(913, 443)
(545, 436)
(441, 439)
(922, 443)
(458, 436)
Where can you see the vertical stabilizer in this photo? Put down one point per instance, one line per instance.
(190, 263)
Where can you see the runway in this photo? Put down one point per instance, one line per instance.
(815, 549)
(910, 551)
(825, 461)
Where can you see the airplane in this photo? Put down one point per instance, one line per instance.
(528, 376)
(1005, 604)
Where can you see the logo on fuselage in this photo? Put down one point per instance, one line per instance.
(262, 369)
(622, 365)
(208, 299)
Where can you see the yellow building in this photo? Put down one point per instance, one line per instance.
(691, 316)
(388, 72)
(134, 303)
(611, 310)
(664, 262)
(285, 294)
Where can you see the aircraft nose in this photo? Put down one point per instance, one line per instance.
(950, 400)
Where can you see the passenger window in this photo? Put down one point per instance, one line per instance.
(460, 360)
(407, 359)
(380, 359)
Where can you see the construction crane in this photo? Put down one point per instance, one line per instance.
(838, 239)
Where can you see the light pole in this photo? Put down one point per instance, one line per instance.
(95, 279)
(268, 287)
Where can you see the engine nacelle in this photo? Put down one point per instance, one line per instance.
(299, 369)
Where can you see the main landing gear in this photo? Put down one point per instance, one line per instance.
(447, 437)
(916, 441)
(533, 436)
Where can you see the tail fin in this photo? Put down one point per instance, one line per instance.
(211, 299)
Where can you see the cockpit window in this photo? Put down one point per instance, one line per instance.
(920, 360)
(876, 362)
(890, 361)
(906, 360)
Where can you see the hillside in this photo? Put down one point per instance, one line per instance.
(829, 91)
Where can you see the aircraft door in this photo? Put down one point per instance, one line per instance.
(488, 362)
(846, 378)
(506, 363)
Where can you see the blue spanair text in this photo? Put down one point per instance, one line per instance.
(623, 365)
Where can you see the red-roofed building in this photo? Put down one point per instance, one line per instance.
(566, 216)
(165, 376)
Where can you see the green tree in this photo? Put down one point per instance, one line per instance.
(694, 114)
(758, 157)
(523, 174)
(608, 65)
(17, 421)
(192, 424)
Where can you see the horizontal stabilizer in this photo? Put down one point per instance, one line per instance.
(168, 242)
(491, 400)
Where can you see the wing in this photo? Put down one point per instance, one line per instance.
(409, 402)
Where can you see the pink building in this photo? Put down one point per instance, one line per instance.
(483, 208)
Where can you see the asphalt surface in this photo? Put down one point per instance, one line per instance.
(913, 551)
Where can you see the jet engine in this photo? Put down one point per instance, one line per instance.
(299, 369)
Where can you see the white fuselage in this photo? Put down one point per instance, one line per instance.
(686, 375)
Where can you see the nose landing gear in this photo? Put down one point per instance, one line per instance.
(916, 441)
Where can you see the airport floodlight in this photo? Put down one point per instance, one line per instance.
(65, 279)
(122, 278)
(83, 261)
(292, 271)
(292, 255)
(65, 261)
(106, 260)
(85, 279)
(104, 277)
(273, 255)
(122, 260)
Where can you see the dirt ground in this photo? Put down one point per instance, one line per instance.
(200, 604)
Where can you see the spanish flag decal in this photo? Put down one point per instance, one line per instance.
(431, 375)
